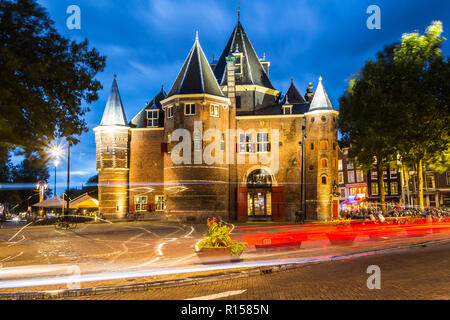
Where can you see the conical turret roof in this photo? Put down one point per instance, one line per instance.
(114, 114)
(320, 100)
(253, 72)
(196, 75)
(293, 96)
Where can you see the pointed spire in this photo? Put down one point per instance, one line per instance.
(239, 10)
(253, 72)
(196, 75)
(293, 96)
(114, 114)
(320, 100)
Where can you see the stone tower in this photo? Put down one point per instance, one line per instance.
(196, 187)
(112, 145)
(321, 155)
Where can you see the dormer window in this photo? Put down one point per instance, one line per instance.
(152, 118)
(189, 109)
(214, 111)
(287, 109)
(238, 63)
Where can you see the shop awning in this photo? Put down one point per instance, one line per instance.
(85, 201)
(54, 202)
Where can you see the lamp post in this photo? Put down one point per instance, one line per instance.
(68, 179)
(56, 152)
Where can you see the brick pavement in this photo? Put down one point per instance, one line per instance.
(420, 273)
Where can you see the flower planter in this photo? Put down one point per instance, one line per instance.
(215, 255)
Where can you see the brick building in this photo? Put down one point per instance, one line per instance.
(352, 183)
(273, 154)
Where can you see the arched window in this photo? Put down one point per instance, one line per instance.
(324, 163)
(324, 179)
(311, 146)
(324, 145)
(259, 178)
(334, 163)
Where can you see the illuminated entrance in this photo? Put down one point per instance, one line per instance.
(259, 195)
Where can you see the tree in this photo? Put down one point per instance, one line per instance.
(423, 81)
(23, 178)
(45, 79)
(367, 122)
(398, 106)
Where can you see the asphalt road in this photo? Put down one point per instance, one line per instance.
(418, 273)
(42, 252)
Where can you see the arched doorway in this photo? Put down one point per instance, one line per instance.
(259, 195)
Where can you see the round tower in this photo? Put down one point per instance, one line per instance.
(196, 176)
(112, 145)
(321, 157)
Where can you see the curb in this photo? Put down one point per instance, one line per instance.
(144, 286)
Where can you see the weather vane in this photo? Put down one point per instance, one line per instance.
(239, 9)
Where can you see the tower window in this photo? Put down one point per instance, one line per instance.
(324, 118)
(324, 145)
(197, 140)
(311, 146)
(238, 102)
(262, 141)
(170, 112)
(324, 163)
(245, 143)
(152, 118)
(214, 110)
(312, 119)
(222, 142)
(189, 109)
(324, 179)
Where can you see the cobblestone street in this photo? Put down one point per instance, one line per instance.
(420, 273)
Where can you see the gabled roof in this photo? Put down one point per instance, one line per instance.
(320, 100)
(293, 96)
(196, 75)
(114, 114)
(253, 72)
(138, 120)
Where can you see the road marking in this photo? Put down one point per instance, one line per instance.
(219, 295)
(20, 231)
(190, 232)
(10, 258)
(14, 243)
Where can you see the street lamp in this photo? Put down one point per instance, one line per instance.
(56, 152)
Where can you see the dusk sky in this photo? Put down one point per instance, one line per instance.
(146, 42)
